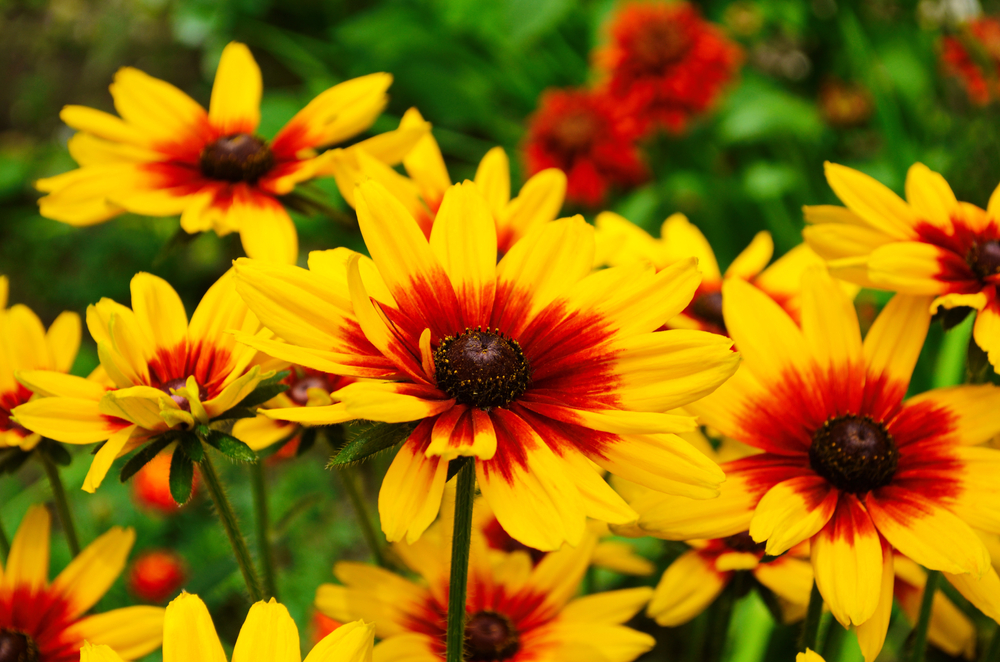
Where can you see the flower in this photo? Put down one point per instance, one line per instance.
(514, 612)
(165, 155)
(590, 138)
(151, 486)
(268, 635)
(974, 58)
(847, 464)
(539, 201)
(25, 345)
(167, 374)
(931, 244)
(665, 63)
(533, 366)
(621, 243)
(156, 575)
(845, 105)
(46, 622)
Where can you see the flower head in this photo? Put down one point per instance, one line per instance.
(930, 244)
(973, 56)
(156, 575)
(847, 464)
(166, 155)
(514, 612)
(47, 621)
(166, 373)
(588, 136)
(666, 63)
(533, 366)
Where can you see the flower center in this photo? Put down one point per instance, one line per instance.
(660, 44)
(237, 158)
(574, 133)
(854, 453)
(483, 369)
(984, 258)
(181, 401)
(17, 646)
(299, 390)
(490, 636)
(708, 307)
(742, 542)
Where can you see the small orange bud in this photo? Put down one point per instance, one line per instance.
(156, 575)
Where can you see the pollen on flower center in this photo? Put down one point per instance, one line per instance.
(181, 401)
(855, 453)
(17, 646)
(742, 542)
(659, 44)
(237, 158)
(708, 307)
(483, 369)
(490, 636)
(984, 258)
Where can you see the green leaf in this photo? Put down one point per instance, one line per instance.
(235, 413)
(192, 446)
(181, 476)
(370, 441)
(145, 454)
(306, 441)
(12, 459)
(57, 452)
(230, 446)
(266, 390)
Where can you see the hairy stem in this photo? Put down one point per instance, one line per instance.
(349, 478)
(259, 486)
(62, 503)
(924, 620)
(460, 543)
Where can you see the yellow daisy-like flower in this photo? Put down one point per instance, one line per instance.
(514, 612)
(268, 635)
(534, 366)
(165, 155)
(44, 622)
(930, 244)
(621, 242)
(166, 373)
(539, 201)
(26, 345)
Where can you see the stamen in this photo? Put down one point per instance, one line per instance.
(854, 453)
(984, 258)
(17, 646)
(237, 158)
(483, 369)
(490, 637)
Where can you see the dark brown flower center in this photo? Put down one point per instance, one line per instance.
(742, 542)
(659, 44)
(574, 133)
(483, 369)
(490, 636)
(708, 308)
(984, 258)
(17, 646)
(855, 453)
(237, 158)
(181, 401)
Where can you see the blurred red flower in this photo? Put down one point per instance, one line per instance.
(974, 58)
(151, 486)
(322, 625)
(156, 575)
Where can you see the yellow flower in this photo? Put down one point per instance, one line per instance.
(268, 635)
(48, 619)
(513, 610)
(166, 374)
(809, 656)
(421, 193)
(621, 242)
(165, 155)
(534, 366)
(930, 244)
(25, 345)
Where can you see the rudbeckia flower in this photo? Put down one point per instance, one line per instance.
(167, 374)
(589, 137)
(539, 200)
(26, 345)
(847, 464)
(165, 155)
(666, 63)
(621, 242)
(268, 635)
(930, 244)
(534, 366)
(44, 622)
(156, 575)
(514, 613)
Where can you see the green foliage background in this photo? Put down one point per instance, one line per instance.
(475, 70)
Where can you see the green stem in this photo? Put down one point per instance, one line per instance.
(810, 628)
(349, 479)
(720, 616)
(228, 519)
(924, 620)
(993, 652)
(461, 541)
(4, 544)
(263, 528)
(62, 503)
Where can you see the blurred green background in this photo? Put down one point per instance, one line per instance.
(475, 70)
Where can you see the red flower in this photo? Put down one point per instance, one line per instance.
(667, 63)
(156, 575)
(586, 136)
(974, 58)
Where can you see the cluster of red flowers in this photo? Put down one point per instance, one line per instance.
(973, 56)
(663, 65)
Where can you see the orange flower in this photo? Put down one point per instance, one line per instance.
(156, 575)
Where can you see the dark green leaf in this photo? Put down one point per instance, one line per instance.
(97, 449)
(370, 441)
(145, 454)
(264, 392)
(235, 413)
(192, 446)
(57, 452)
(229, 445)
(181, 476)
(306, 441)
(12, 459)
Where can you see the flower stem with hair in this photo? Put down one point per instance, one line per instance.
(259, 486)
(350, 481)
(924, 621)
(460, 544)
(62, 503)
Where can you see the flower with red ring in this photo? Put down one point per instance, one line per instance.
(156, 575)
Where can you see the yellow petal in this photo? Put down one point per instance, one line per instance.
(70, 420)
(159, 311)
(914, 267)
(686, 589)
(871, 633)
(28, 560)
(132, 632)
(539, 201)
(984, 592)
(895, 339)
(102, 653)
(607, 607)
(63, 338)
(268, 635)
(682, 239)
(351, 642)
(411, 490)
(235, 104)
(24, 335)
(109, 452)
(89, 576)
(138, 404)
(188, 632)
(930, 196)
(986, 333)
(424, 163)
(493, 180)
(831, 329)
(753, 259)
(103, 125)
(793, 511)
(877, 205)
(161, 111)
(267, 231)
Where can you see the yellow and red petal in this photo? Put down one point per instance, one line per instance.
(915, 267)
(872, 201)
(28, 559)
(411, 492)
(463, 431)
(132, 632)
(89, 576)
(70, 420)
(960, 414)
(160, 314)
(161, 111)
(793, 511)
(235, 103)
(686, 589)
